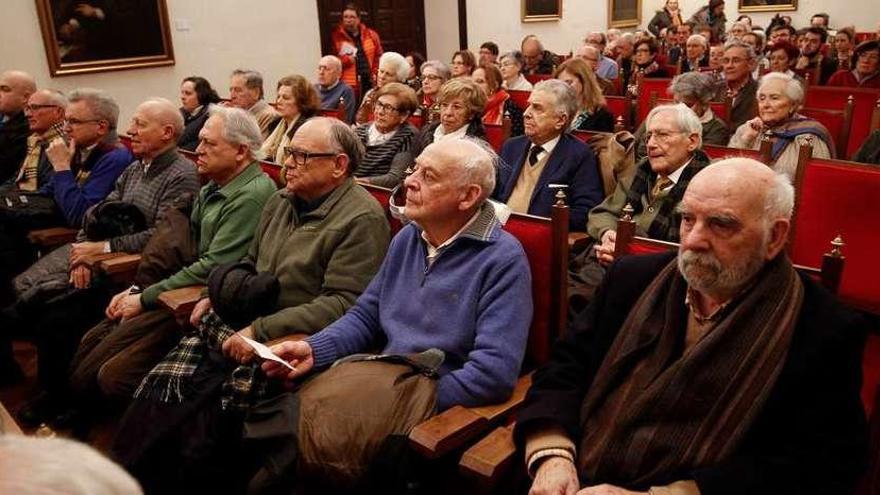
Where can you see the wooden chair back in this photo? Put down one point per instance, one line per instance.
(838, 123)
(648, 85)
(622, 108)
(836, 98)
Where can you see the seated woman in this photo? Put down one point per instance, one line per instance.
(463, 63)
(461, 114)
(782, 58)
(511, 64)
(694, 89)
(393, 67)
(434, 74)
(780, 96)
(388, 137)
(866, 74)
(297, 102)
(415, 61)
(498, 104)
(196, 97)
(644, 65)
(592, 114)
(844, 44)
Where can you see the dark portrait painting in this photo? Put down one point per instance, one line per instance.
(541, 10)
(767, 5)
(624, 13)
(98, 35)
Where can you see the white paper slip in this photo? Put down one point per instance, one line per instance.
(266, 353)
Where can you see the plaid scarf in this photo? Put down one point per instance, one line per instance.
(28, 175)
(171, 380)
(665, 224)
(654, 409)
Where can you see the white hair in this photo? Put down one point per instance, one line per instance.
(167, 113)
(779, 201)
(793, 88)
(398, 63)
(479, 167)
(566, 99)
(102, 106)
(36, 466)
(240, 128)
(685, 119)
(334, 61)
(699, 38)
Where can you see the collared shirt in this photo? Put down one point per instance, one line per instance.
(375, 137)
(439, 135)
(433, 252)
(548, 147)
(607, 68)
(519, 84)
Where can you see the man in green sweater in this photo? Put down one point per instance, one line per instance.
(114, 357)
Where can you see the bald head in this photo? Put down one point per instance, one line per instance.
(15, 89)
(155, 127)
(329, 70)
(165, 112)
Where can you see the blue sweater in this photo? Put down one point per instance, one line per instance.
(72, 199)
(474, 303)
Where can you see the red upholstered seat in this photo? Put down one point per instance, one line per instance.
(496, 135)
(834, 198)
(126, 141)
(865, 36)
(838, 123)
(621, 106)
(520, 98)
(333, 114)
(835, 98)
(583, 136)
(273, 170)
(870, 372)
(644, 245)
(536, 78)
(649, 85)
(416, 120)
(383, 196)
(721, 109)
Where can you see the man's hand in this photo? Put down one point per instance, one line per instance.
(79, 250)
(202, 307)
(113, 309)
(298, 354)
(131, 306)
(81, 277)
(237, 349)
(555, 476)
(605, 250)
(608, 490)
(802, 62)
(60, 154)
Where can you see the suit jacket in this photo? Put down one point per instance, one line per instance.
(810, 437)
(13, 145)
(572, 163)
(745, 105)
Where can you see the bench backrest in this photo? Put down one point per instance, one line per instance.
(497, 134)
(383, 196)
(520, 98)
(835, 98)
(838, 123)
(648, 85)
(621, 106)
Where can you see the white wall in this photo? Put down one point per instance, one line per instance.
(441, 29)
(276, 37)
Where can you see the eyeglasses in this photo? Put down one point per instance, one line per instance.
(660, 136)
(35, 107)
(431, 77)
(300, 157)
(80, 122)
(385, 107)
(870, 55)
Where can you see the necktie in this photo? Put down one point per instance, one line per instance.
(533, 155)
(661, 184)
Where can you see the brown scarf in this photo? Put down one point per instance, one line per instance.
(654, 412)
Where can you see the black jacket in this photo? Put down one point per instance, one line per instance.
(811, 436)
(13, 145)
(189, 139)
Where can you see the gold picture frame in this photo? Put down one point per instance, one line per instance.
(767, 5)
(82, 38)
(541, 10)
(624, 13)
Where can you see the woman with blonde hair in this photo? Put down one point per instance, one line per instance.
(593, 115)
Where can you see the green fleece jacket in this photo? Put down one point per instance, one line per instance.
(323, 259)
(223, 218)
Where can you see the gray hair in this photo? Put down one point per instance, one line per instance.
(252, 79)
(344, 140)
(55, 97)
(779, 201)
(479, 167)
(100, 104)
(441, 68)
(169, 113)
(699, 38)
(240, 128)
(33, 466)
(793, 88)
(735, 43)
(514, 55)
(566, 99)
(398, 62)
(334, 60)
(685, 119)
(532, 37)
(696, 84)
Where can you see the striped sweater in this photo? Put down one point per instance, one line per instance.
(385, 164)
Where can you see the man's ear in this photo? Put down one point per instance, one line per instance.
(778, 237)
(340, 165)
(470, 197)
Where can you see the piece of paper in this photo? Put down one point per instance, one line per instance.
(266, 353)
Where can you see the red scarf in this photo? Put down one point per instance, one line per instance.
(494, 111)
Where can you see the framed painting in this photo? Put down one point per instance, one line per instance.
(767, 5)
(541, 10)
(84, 36)
(624, 13)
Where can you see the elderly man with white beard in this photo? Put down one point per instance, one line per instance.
(715, 370)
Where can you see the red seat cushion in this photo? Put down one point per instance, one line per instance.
(520, 98)
(273, 170)
(834, 98)
(650, 85)
(833, 120)
(619, 106)
(416, 120)
(495, 136)
(536, 78)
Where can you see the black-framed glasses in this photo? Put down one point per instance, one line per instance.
(385, 107)
(300, 157)
(83, 121)
(38, 106)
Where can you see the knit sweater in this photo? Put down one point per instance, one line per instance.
(330, 99)
(384, 164)
(474, 303)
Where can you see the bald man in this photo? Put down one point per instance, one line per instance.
(15, 89)
(719, 370)
(158, 177)
(332, 89)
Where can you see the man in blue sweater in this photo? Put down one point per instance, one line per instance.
(452, 280)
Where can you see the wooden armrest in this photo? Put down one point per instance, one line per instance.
(578, 240)
(54, 236)
(181, 301)
(456, 426)
(490, 458)
(120, 264)
(93, 261)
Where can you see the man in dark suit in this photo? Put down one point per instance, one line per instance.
(547, 155)
(738, 63)
(718, 371)
(15, 89)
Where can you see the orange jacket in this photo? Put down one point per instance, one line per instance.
(372, 48)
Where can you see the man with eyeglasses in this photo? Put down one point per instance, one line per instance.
(674, 137)
(15, 89)
(592, 56)
(537, 59)
(45, 115)
(738, 64)
(607, 68)
(333, 91)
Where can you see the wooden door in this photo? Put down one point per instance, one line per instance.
(400, 23)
